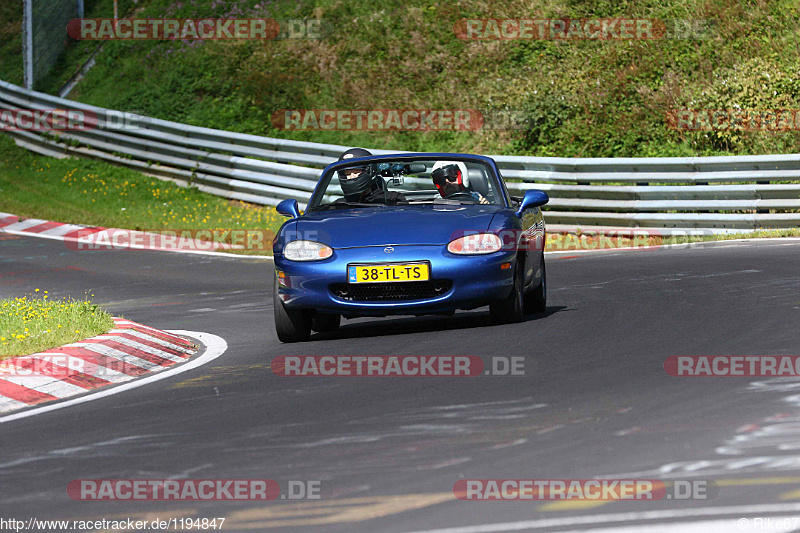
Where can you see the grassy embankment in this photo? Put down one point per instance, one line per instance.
(590, 98)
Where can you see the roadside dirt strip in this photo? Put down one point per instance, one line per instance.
(128, 351)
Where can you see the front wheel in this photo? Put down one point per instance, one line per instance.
(509, 309)
(536, 300)
(291, 325)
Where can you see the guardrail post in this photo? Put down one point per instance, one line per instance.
(27, 42)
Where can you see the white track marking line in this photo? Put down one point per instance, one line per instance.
(8, 404)
(215, 346)
(638, 517)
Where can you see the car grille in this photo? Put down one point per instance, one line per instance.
(381, 292)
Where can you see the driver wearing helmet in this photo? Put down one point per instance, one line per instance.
(451, 177)
(363, 184)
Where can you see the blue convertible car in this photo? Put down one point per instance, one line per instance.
(408, 234)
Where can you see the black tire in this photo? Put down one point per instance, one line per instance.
(291, 325)
(509, 309)
(324, 322)
(536, 300)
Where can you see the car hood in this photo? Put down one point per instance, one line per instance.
(394, 225)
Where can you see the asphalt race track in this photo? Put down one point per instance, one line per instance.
(595, 400)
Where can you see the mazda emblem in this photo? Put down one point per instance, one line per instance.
(389, 250)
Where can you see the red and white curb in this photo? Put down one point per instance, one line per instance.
(128, 351)
(43, 228)
(80, 237)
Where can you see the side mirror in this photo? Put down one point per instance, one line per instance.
(532, 198)
(288, 208)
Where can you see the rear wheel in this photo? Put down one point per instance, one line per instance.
(323, 322)
(291, 325)
(536, 300)
(509, 309)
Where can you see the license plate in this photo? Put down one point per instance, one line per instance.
(388, 273)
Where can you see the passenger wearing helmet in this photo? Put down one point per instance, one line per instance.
(363, 184)
(451, 177)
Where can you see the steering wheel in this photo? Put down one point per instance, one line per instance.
(461, 196)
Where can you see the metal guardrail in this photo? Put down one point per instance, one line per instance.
(714, 193)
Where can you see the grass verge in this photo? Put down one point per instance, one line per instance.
(80, 191)
(34, 323)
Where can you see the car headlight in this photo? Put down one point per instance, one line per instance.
(481, 243)
(307, 251)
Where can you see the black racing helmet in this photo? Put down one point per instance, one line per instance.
(354, 152)
(354, 187)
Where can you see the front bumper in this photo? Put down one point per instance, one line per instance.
(471, 281)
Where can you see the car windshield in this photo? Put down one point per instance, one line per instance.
(408, 182)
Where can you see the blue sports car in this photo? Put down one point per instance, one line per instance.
(408, 234)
